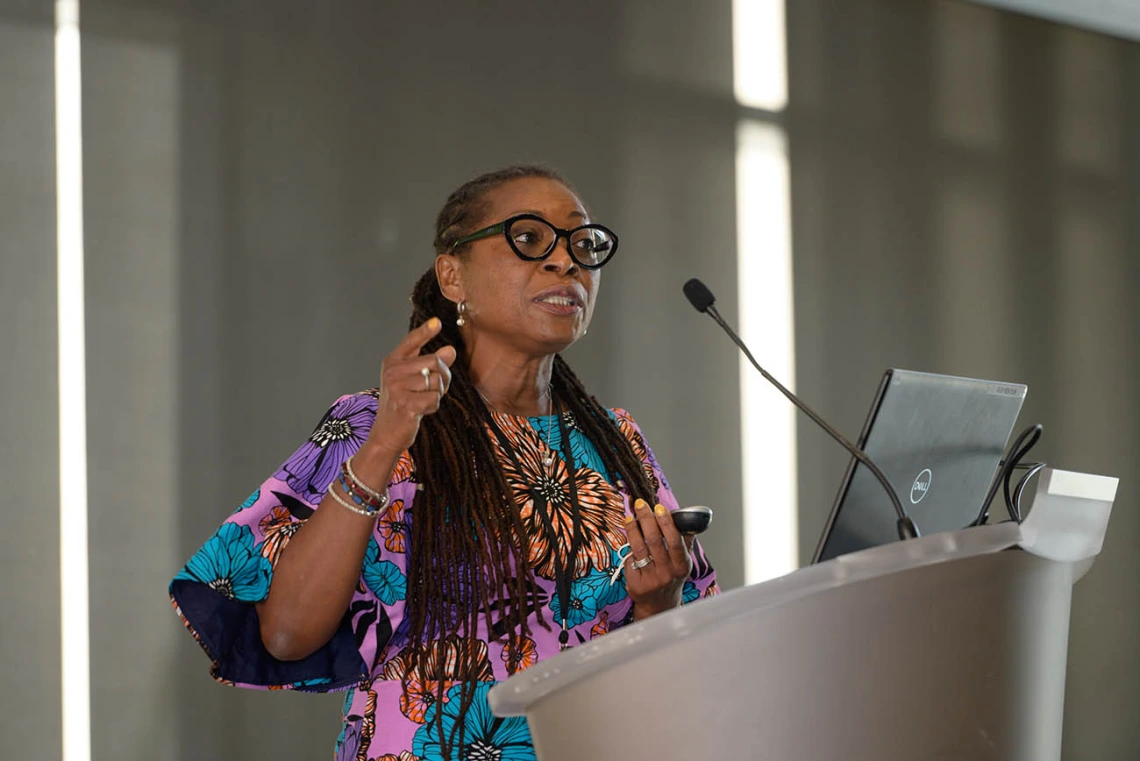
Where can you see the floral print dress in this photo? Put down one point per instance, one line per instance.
(214, 594)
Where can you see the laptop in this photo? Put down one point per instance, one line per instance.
(939, 440)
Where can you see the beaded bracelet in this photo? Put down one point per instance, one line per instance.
(344, 502)
(346, 468)
(365, 497)
(368, 501)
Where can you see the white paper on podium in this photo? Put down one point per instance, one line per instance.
(1069, 517)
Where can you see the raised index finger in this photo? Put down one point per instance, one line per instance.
(416, 339)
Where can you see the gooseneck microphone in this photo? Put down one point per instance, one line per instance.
(703, 301)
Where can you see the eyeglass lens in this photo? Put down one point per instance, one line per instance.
(533, 239)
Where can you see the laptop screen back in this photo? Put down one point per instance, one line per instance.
(939, 440)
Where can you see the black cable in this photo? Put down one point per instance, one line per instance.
(1034, 435)
(1005, 470)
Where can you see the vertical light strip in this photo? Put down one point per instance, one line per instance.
(74, 650)
(759, 41)
(764, 277)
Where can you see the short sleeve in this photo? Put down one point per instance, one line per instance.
(702, 581)
(215, 592)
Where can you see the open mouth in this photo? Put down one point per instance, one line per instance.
(562, 300)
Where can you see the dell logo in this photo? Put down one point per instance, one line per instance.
(920, 486)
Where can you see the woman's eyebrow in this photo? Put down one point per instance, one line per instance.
(536, 213)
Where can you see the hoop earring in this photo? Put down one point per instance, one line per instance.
(461, 309)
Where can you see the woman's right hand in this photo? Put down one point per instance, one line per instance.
(405, 397)
(318, 572)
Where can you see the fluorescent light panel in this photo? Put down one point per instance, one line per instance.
(764, 272)
(759, 57)
(74, 636)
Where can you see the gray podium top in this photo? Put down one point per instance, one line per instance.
(898, 636)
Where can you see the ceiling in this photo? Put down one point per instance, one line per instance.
(1120, 18)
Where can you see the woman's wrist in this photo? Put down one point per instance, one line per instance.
(373, 464)
(643, 610)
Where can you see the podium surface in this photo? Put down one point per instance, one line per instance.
(951, 646)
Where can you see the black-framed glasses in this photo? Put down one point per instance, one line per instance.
(532, 238)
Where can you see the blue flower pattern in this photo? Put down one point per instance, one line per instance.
(229, 564)
(383, 577)
(585, 453)
(589, 595)
(485, 736)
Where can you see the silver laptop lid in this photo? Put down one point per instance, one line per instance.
(939, 440)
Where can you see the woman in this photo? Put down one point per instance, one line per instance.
(464, 520)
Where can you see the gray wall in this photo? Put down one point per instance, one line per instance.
(261, 180)
(29, 397)
(965, 185)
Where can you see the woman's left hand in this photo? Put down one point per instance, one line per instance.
(655, 585)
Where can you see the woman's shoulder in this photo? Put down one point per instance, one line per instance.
(354, 412)
(630, 429)
(624, 419)
(360, 399)
(620, 413)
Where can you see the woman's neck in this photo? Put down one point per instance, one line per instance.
(513, 385)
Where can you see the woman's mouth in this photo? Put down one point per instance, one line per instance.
(560, 301)
(562, 305)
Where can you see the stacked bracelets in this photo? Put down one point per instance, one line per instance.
(361, 499)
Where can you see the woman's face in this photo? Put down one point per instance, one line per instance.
(540, 307)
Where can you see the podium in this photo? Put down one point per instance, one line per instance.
(948, 647)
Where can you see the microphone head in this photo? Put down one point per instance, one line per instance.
(699, 295)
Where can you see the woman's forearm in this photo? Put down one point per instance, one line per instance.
(318, 570)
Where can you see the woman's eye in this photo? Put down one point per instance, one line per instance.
(591, 245)
(525, 238)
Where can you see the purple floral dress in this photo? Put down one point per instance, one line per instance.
(215, 592)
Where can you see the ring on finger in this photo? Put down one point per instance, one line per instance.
(427, 378)
(637, 565)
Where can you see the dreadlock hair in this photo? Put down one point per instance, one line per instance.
(468, 553)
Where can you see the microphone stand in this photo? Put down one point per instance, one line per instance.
(906, 527)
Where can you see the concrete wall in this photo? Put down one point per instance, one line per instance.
(965, 185)
(29, 397)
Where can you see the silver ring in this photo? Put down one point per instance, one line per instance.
(637, 565)
(427, 378)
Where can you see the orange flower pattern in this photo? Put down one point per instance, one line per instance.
(519, 653)
(278, 527)
(602, 627)
(404, 470)
(422, 675)
(392, 528)
(542, 493)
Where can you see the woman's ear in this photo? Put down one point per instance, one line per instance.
(449, 273)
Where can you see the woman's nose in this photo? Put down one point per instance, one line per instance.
(560, 259)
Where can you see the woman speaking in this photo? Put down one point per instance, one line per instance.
(475, 513)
